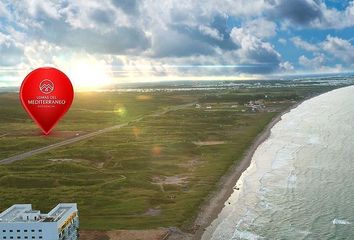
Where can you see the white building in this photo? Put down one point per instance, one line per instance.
(21, 222)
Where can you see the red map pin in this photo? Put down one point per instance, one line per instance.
(46, 94)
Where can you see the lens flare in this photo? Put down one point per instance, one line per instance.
(120, 110)
(136, 131)
(156, 150)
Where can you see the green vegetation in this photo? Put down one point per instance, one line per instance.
(89, 112)
(155, 172)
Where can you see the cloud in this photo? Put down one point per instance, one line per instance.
(39, 53)
(190, 39)
(37, 9)
(4, 13)
(103, 16)
(298, 42)
(282, 41)
(311, 13)
(119, 40)
(210, 32)
(128, 6)
(299, 12)
(254, 50)
(333, 18)
(316, 62)
(324, 52)
(174, 44)
(261, 27)
(339, 48)
(286, 66)
(11, 53)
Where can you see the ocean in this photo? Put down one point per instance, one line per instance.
(300, 184)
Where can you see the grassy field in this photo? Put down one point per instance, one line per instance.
(153, 173)
(89, 112)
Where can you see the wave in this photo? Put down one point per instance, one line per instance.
(246, 235)
(340, 222)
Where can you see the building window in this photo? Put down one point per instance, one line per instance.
(25, 230)
(40, 230)
(32, 230)
(11, 230)
(18, 230)
(3, 230)
(40, 237)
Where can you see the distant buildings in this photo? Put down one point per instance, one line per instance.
(21, 222)
(257, 105)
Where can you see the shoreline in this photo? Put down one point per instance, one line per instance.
(210, 210)
(216, 200)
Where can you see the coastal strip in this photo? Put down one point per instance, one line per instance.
(213, 205)
(216, 200)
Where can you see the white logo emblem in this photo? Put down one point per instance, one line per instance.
(46, 86)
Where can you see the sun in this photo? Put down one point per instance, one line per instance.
(89, 74)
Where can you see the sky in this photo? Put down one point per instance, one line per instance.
(111, 41)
